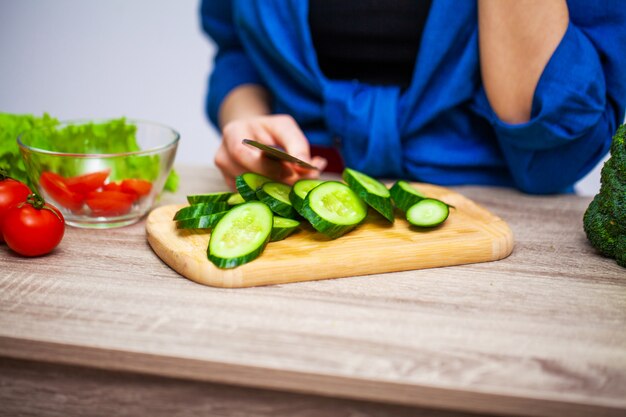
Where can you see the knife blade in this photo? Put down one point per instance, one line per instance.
(277, 153)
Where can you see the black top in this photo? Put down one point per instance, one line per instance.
(373, 41)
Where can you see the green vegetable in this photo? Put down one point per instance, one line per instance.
(427, 212)
(405, 195)
(209, 198)
(241, 235)
(333, 208)
(248, 183)
(11, 126)
(200, 209)
(115, 136)
(282, 228)
(207, 221)
(604, 221)
(235, 199)
(276, 196)
(372, 191)
(299, 191)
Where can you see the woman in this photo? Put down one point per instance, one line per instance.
(522, 93)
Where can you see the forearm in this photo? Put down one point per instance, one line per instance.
(244, 101)
(516, 40)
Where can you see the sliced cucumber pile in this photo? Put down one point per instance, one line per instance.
(263, 211)
(372, 191)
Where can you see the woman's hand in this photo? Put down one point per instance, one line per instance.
(234, 158)
(244, 114)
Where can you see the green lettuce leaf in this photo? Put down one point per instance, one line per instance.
(11, 126)
(115, 136)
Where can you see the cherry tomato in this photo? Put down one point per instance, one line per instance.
(137, 186)
(86, 183)
(57, 189)
(12, 193)
(33, 227)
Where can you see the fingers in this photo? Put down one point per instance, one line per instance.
(288, 135)
(245, 158)
(229, 168)
(234, 158)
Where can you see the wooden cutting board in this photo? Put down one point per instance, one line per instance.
(470, 234)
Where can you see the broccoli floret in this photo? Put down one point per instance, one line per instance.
(620, 251)
(595, 224)
(605, 219)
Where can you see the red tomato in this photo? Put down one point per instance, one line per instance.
(33, 228)
(105, 207)
(137, 186)
(112, 195)
(110, 203)
(56, 188)
(112, 186)
(12, 193)
(84, 184)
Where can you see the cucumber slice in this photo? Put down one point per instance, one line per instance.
(208, 198)
(202, 209)
(248, 183)
(372, 191)
(276, 196)
(333, 208)
(299, 191)
(282, 228)
(428, 212)
(207, 221)
(235, 199)
(405, 195)
(241, 235)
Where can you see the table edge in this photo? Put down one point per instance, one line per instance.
(326, 385)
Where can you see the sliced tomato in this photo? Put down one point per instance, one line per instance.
(88, 182)
(57, 190)
(137, 186)
(112, 195)
(108, 207)
(112, 186)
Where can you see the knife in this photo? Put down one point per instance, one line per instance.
(277, 153)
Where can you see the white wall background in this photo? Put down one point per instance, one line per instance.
(145, 59)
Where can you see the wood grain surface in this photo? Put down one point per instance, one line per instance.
(470, 234)
(50, 390)
(539, 333)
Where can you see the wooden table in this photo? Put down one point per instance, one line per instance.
(103, 327)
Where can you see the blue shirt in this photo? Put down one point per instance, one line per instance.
(442, 128)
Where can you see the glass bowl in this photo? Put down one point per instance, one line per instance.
(100, 173)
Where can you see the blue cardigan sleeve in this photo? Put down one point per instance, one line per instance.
(232, 66)
(578, 103)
